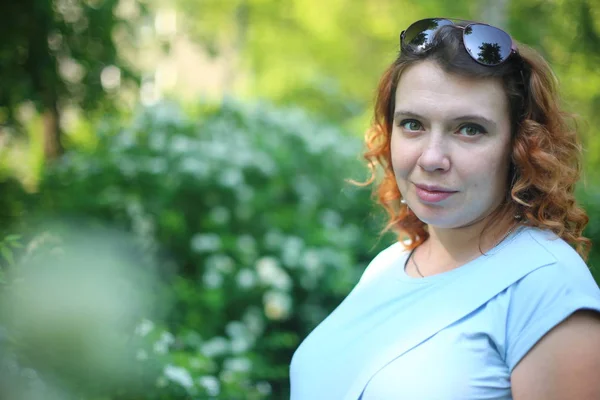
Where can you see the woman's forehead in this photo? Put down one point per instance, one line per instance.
(425, 88)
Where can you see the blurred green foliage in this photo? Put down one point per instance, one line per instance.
(327, 56)
(590, 200)
(60, 54)
(247, 213)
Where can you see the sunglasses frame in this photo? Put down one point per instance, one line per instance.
(513, 47)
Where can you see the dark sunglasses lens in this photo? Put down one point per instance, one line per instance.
(420, 34)
(487, 44)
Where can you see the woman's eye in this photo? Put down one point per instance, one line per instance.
(471, 130)
(411, 125)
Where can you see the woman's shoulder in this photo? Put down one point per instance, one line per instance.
(384, 259)
(566, 261)
(553, 244)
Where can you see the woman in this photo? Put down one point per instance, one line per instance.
(483, 295)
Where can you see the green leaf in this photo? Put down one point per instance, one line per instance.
(7, 254)
(12, 238)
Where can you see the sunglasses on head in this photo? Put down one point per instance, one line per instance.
(486, 44)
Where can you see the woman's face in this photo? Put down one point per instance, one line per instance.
(450, 145)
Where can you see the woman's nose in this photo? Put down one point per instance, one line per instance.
(434, 156)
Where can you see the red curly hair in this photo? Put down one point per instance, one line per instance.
(546, 152)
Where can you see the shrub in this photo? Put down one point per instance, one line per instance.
(257, 235)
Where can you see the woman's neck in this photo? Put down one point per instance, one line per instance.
(449, 248)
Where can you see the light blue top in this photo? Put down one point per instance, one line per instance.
(454, 335)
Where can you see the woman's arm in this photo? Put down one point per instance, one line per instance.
(564, 364)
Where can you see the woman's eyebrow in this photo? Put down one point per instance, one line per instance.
(475, 118)
(409, 114)
(471, 117)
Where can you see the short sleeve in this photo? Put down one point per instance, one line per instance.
(543, 299)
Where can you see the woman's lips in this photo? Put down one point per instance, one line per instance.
(431, 194)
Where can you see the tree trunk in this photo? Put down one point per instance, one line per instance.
(52, 134)
(42, 69)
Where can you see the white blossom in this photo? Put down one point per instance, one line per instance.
(237, 364)
(277, 305)
(193, 166)
(205, 242)
(246, 279)
(236, 328)
(161, 346)
(254, 321)
(264, 387)
(212, 278)
(179, 375)
(291, 251)
(270, 273)
(215, 347)
(331, 219)
(231, 178)
(220, 262)
(144, 328)
(210, 384)
(181, 144)
(273, 239)
(240, 345)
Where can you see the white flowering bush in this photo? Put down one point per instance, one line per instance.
(257, 235)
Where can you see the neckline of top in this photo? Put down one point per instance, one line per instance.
(403, 276)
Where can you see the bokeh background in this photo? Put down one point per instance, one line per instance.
(174, 211)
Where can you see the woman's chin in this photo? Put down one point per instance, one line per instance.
(443, 218)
